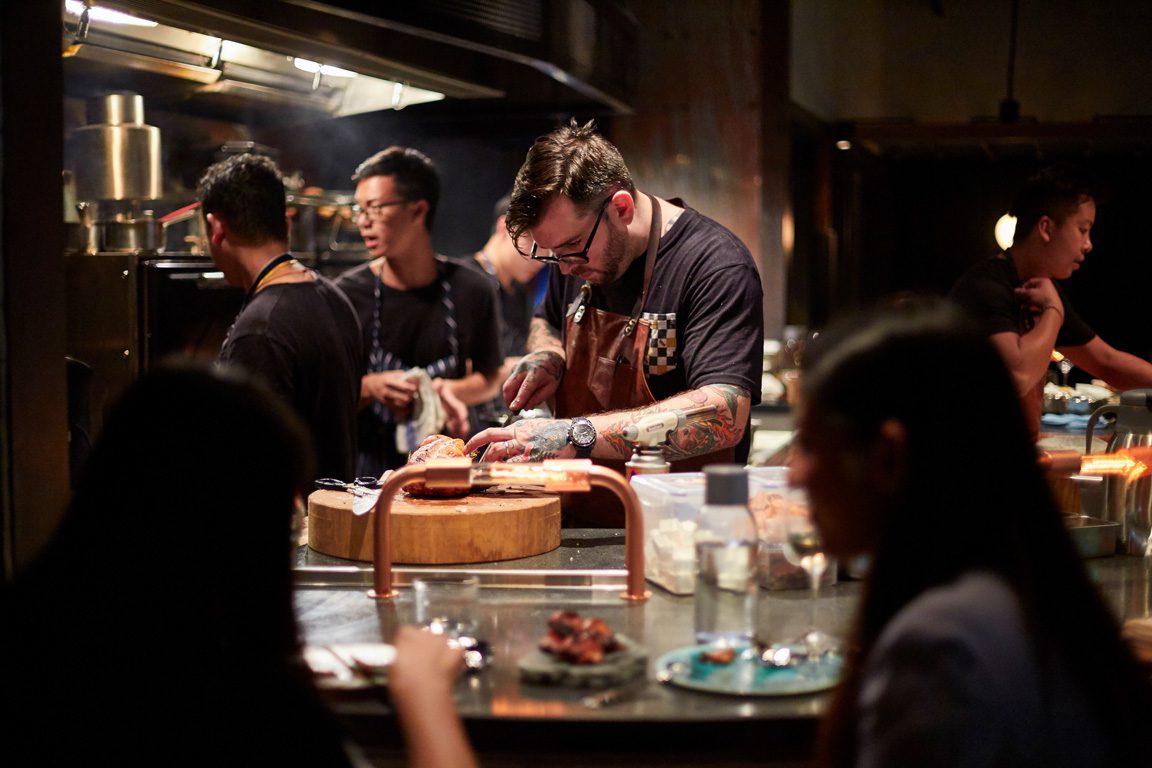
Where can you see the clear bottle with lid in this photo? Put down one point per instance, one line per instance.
(726, 556)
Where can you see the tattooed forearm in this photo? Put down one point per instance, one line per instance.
(722, 429)
(731, 396)
(697, 435)
(542, 337)
(612, 433)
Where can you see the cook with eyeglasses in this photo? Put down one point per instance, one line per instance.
(651, 306)
(420, 313)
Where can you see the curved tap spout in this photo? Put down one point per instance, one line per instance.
(559, 475)
(633, 529)
(382, 530)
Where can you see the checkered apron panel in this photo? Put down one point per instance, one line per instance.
(661, 357)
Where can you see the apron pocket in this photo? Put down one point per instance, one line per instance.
(660, 355)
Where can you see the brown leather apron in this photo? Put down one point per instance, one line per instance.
(605, 355)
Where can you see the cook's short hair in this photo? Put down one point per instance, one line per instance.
(247, 192)
(574, 161)
(413, 172)
(1056, 191)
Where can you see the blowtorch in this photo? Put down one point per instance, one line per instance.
(650, 433)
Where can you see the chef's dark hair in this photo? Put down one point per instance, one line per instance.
(412, 171)
(574, 161)
(868, 368)
(247, 192)
(1056, 192)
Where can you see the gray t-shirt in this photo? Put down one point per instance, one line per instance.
(953, 680)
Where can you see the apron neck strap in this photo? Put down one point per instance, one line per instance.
(650, 257)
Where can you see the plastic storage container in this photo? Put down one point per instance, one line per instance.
(671, 505)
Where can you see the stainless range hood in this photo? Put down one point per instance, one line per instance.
(223, 58)
(206, 71)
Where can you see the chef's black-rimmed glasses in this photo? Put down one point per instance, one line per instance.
(576, 257)
(374, 211)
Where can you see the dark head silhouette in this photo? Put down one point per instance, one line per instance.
(965, 495)
(159, 620)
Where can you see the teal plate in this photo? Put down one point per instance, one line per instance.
(746, 676)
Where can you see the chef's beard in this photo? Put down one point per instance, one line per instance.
(612, 260)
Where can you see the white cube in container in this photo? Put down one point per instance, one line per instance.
(671, 505)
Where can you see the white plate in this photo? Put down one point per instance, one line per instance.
(350, 665)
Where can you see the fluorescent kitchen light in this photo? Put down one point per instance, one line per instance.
(312, 67)
(106, 15)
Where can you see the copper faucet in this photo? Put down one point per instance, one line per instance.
(1133, 462)
(559, 475)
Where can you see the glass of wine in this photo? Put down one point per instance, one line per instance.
(803, 547)
(1065, 366)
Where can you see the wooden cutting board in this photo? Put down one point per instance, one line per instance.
(501, 523)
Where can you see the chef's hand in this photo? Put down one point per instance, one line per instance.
(527, 440)
(455, 412)
(1038, 293)
(533, 380)
(392, 388)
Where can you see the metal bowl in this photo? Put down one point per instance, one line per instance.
(1093, 537)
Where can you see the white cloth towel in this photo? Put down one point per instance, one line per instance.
(427, 414)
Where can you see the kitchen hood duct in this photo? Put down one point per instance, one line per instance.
(185, 68)
(571, 75)
(531, 54)
(144, 63)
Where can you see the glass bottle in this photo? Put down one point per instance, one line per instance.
(726, 555)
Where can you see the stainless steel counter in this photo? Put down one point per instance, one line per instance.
(508, 719)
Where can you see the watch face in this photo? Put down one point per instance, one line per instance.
(583, 433)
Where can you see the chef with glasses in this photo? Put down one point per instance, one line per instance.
(430, 325)
(651, 306)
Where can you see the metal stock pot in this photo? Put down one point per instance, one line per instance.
(128, 236)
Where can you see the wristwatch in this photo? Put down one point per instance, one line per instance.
(582, 435)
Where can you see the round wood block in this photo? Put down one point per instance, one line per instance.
(501, 523)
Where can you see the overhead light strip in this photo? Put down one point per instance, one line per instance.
(106, 15)
(312, 67)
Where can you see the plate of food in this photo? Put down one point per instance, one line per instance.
(582, 652)
(738, 671)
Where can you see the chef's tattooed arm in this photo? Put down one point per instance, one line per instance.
(701, 434)
(538, 439)
(544, 337)
(537, 376)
